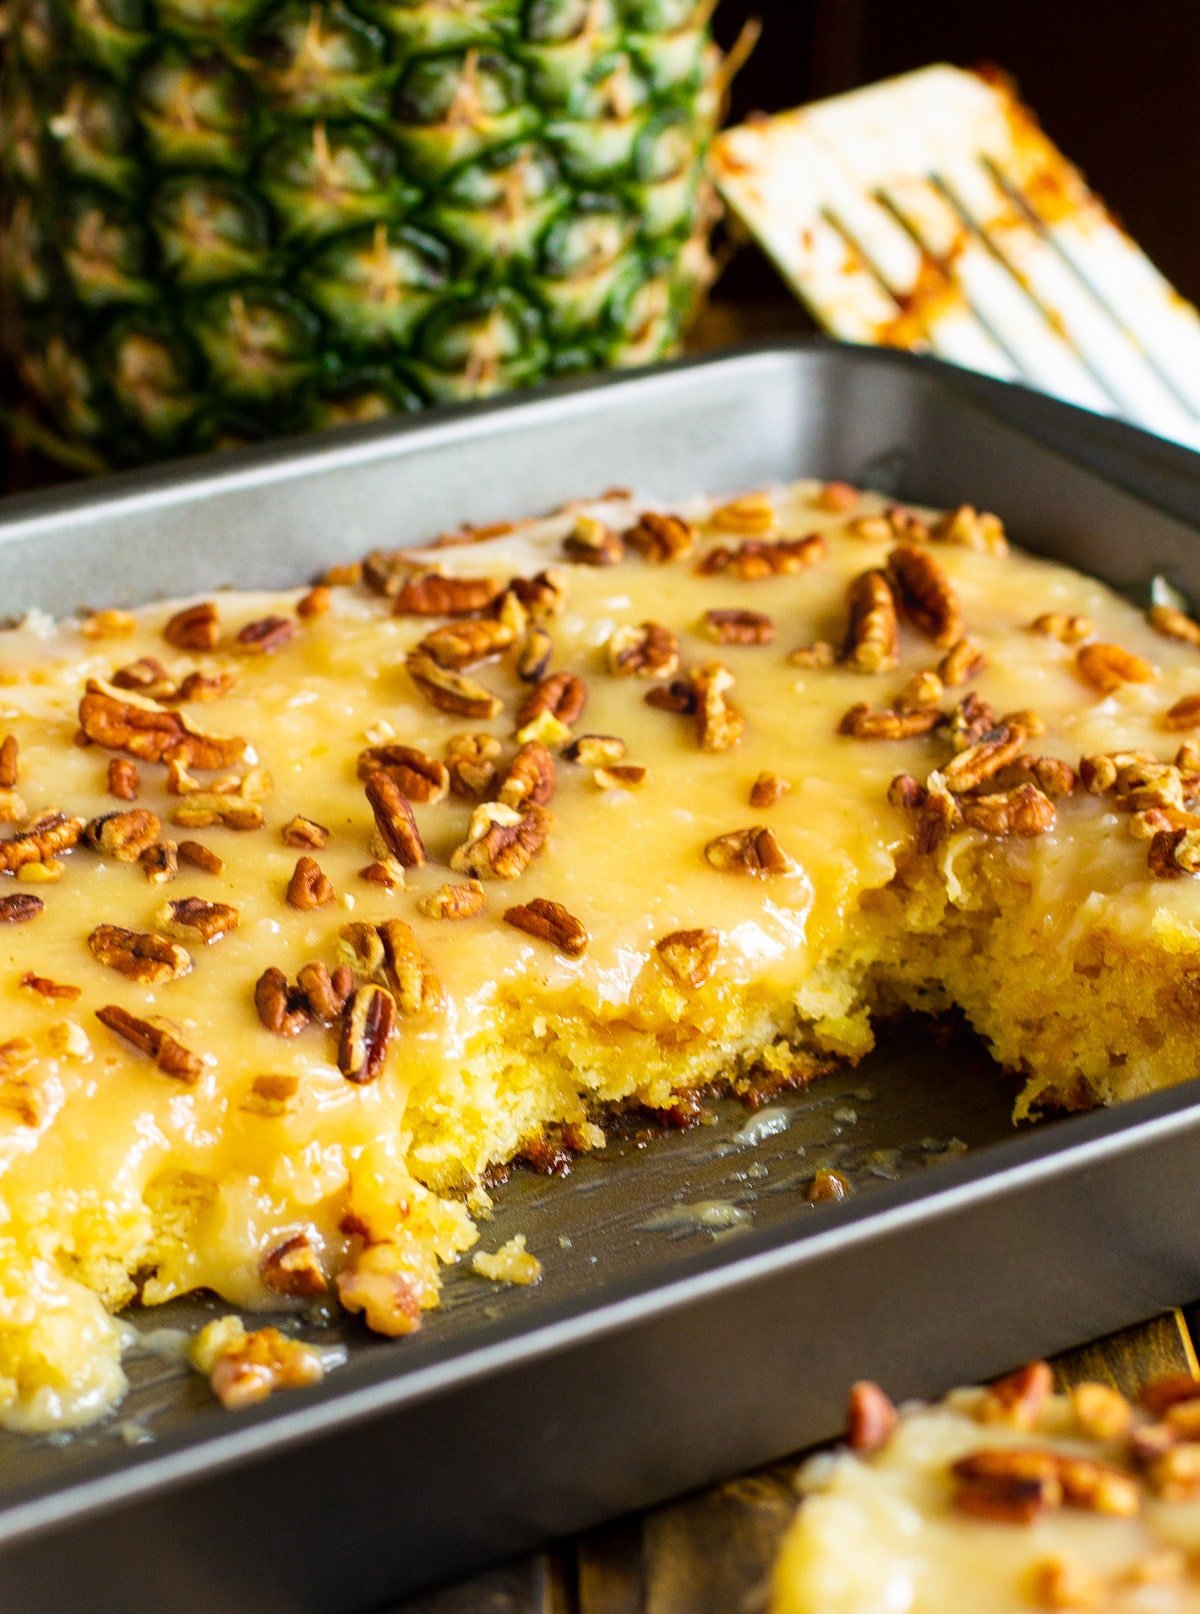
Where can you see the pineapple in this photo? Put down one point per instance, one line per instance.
(225, 219)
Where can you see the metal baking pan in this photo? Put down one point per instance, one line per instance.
(664, 1347)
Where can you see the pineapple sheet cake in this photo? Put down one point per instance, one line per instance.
(318, 908)
(224, 219)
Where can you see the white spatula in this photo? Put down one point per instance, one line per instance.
(931, 212)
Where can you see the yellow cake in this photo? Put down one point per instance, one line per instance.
(1001, 1501)
(319, 905)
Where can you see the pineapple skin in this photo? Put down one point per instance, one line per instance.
(223, 220)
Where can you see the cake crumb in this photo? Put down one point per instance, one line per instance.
(511, 1263)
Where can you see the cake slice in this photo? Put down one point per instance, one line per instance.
(320, 907)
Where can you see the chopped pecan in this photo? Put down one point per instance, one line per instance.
(863, 722)
(620, 776)
(1174, 853)
(530, 777)
(315, 603)
(818, 654)
(465, 900)
(689, 956)
(719, 723)
(871, 1417)
(394, 819)
(961, 662)
(969, 720)
(415, 774)
(1107, 666)
(198, 686)
(148, 677)
(456, 645)
(150, 733)
(732, 626)
(432, 594)
(1007, 1485)
(501, 842)
(550, 922)
(304, 832)
(938, 816)
(195, 920)
(56, 991)
(160, 862)
(451, 691)
(387, 1300)
(309, 886)
(533, 658)
(201, 857)
(751, 513)
(326, 994)
(123, 779)
(925, 594)
(1025, 811)
(20, 908)
(1019, 1398)
(1033, 724)
(677, 696)
(10, 762)
(124, 836)
(767, 789)
(648, 651)
(1174, 624)
(167, 1052)
(266, 635)
(52, 832)
(836, 498)
(1051, 774)
(542, 595)
(1062, 626)
(749, 851)
(595, 750)
(281, 1008)
(974, 766)
(562, 696)
(471, 763)
(254, 1365)
(140, 955)
(385, 571)
(873, 635)
(907, 792)
(922, 690)
(196, 627)
(757, 558)
(368, 1022)
(591, 543)
(385, 872)
(1184, 714)
(12, 807)
(205, 808)
(294, 1269)
(973, 529)
(660, 537)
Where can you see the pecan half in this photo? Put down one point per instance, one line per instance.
(719, 724)
(124, 836)
(149, 732)
(415, 774)
(195, 920)
(451, 691)
(660, 537)
(361, 945)
(407, 970)
(196, 627)
(20, 908)
(1107, 666)
(309, 887)
(562, 696)
(52, 832)
(620, 776)
(431, 594)
(140, 955)
(550, 922)
(1006, 1485)
(294, 1269)
(767, 789)
(749, 851)
(10, 762)
(456, 645)
(201, 857)
(123, 779)
(368, 1021)
(530, 777)
(326, 993)
(465, 900)
(591, 543)
(648, 651)
(501, 842)
(871, 1417)
(925, 595)
(167, 1052)
(304, 832)
(1025, 811)
(1174, 624)
(281, 1008)
(863, 722)
(394, 820)
(689, 956)
(266, 635)
(873, 635)
(731, 626)
(471, 763)
(757, 558)
(978, 763)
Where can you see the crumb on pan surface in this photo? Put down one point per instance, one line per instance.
(318, 907)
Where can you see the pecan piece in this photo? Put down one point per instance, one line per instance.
(325, 993)
(123, 779)
(1019, 1398)
(148, 677)
(250, 1367)
(140, 955)
(648, 651)
(756, 558)
(1025, 811)
(169, 1054)
(534, 656)
(196, 627)
(124, 836)
(304, 832)
(1174, 624)
(416, 775)
(925, 595)
(873, 636)
(20, 908)
(160, 862)
(501, 842)
(818, 654)
(660, 537)
(198, 686)
(56, 991)
(387, 1300)
(368, 1022)
(471, 763)
(431, 594)
(293, 1269)
(750, 513)
(540, 596)
(195, 920)
(384, 571)
(550, 922)
(972, 529)
(205, 808)
(1107, 666)
(201, 857)
(719, 723)
(561, 696)
(863, 722)
(530, 778)
(978, 763)
(755, 850)
(620, 776)
(52, 832)
(361, 945)
(689, 956)
(451, 691)
(591, 543)
(1174, 853)
(1184, 714)
(281, 1009)
(1062, 626)
(1007, 1485)
(268, 634)
(309, 887)
(465, 900)
(12, 807)
(315, 603)
(456, 645)
(407, 970)
(731, 626)
(767, 789)
(595, 750)
(961, 662)
(871, 1417)
(836, 498)
(149, 732)
(394, 820)
(10, 763)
